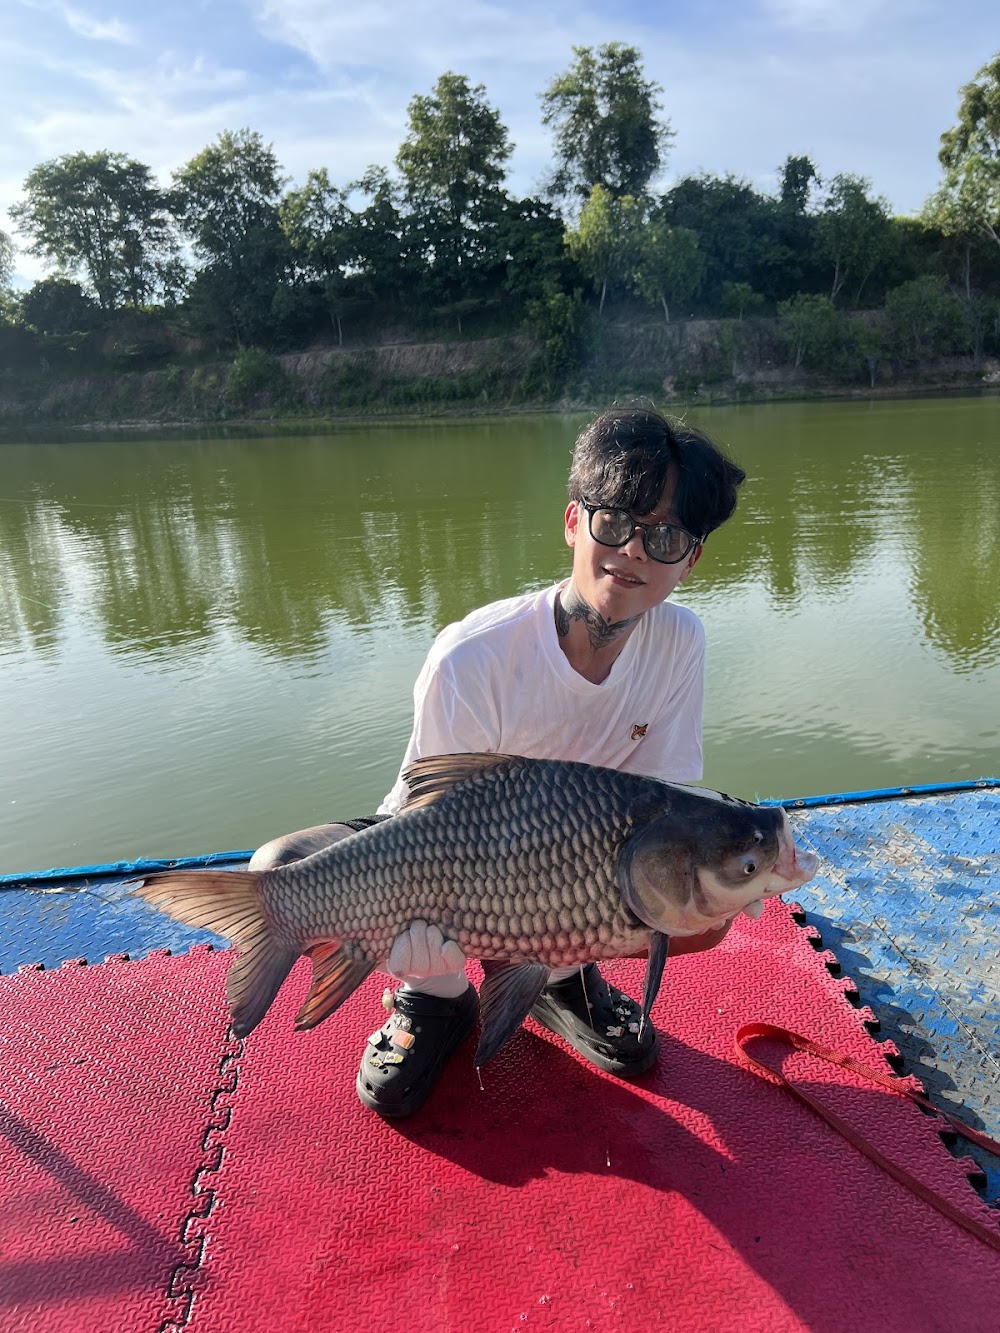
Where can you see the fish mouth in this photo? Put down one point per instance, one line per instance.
(792, 866)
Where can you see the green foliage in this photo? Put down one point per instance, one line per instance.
(969, 198)
(226, 199)
(924, 320)
(607, 124)
(533, 241)
(814, 331)
(100, 214)
(739, 299)
(868, 341)
(6, 259)
(797, 178)
(606, 241)
(745, 237)
(561, 327)
(668, 265)
(439, 248)
(319, 227)
(452, 163)
(855, 233)
(382, 259)
(56, 305)
(253, 373)
(980, 324)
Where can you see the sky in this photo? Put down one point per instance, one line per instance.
(866, 86)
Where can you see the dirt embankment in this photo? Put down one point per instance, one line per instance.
(686, 361)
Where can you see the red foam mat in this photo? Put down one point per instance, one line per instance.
(700, 1198)
(106, 1082)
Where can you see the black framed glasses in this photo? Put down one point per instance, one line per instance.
(665, 543)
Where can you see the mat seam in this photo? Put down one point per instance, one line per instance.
(886, 1047)
(187, 1277)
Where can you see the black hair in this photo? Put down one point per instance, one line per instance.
(623, 458)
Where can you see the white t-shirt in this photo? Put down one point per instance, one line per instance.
(499, 682)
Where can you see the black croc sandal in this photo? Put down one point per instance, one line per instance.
(406, 1055)
(600, 1021)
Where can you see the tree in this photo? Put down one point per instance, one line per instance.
(956, 212)
(869, 343)
(320, 229)
(317, 223)
(559, 324)
(607, 124)
(924, 319)
(797, 177)
(855, 232)
(99, 214)
(57, 305)
(226, 199)
(668, 265)
(813, 328)
(6, 259)
(970, 155)
(739, 298)
(605, 244)
(533, 241)
(453, 163)
(383, 261)
(744, 236)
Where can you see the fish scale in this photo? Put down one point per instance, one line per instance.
(530, 863)
(449, 867)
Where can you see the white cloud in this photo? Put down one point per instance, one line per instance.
(96, 31)
(867, 87)
(85, 25)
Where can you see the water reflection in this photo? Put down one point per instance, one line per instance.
(163, 548)
(206, 642)
(267, 541)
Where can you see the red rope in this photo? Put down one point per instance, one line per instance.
(989, 1235)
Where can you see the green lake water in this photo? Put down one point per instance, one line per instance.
(205, 642)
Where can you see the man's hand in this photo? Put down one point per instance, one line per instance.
(422, 951)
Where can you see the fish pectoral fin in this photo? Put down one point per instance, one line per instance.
(336, 975)
(427, 779)
(658, 947)
(505, 1000)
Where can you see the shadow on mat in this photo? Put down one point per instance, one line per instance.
(151, 1259)
(800, 1205)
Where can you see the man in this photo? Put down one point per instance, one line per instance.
(600, 668)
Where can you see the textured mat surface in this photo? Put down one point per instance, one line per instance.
(908, 899)
(107, 1077)
(219, 1188)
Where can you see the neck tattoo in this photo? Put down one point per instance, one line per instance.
(601, 633)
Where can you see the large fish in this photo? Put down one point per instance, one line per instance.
(536, 863)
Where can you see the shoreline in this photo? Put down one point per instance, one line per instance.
(295, 423)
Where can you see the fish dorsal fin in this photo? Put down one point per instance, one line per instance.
(427, 779)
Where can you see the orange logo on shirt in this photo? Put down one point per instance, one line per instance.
(638, 732)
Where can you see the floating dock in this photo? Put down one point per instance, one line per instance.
(156, 1174)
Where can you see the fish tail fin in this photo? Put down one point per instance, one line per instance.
(229, 903)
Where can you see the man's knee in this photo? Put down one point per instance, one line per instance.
(294, 846)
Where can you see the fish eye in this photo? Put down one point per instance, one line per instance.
(750, 866)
